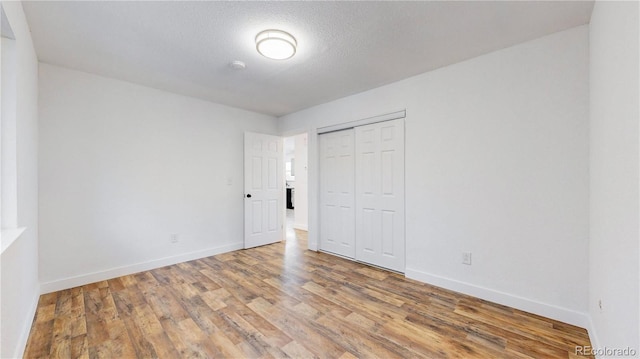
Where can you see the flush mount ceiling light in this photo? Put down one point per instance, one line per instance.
(276, 44)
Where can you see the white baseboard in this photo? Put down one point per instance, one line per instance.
(26, 328)
(593, 335)
(565, 315)
(301, 226)
(76, 281)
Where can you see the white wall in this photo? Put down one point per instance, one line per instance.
(9, 181)
(123, 166)
(19, 267)
(614, 234)
(289, 154)
(301, 193)
(496, 164)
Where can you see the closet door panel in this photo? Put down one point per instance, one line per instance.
(379, 194)
(337, 197)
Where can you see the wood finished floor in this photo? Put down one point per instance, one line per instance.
(284, 301)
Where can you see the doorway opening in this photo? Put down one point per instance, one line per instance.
(296, 186)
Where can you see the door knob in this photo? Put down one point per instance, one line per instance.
(249, 196)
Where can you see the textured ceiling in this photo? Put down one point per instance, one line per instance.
(344, 47)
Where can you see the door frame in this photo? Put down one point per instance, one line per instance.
(365, 121)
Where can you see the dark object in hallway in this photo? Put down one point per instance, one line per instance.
(290, 192)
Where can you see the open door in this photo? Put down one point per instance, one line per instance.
(263, 189)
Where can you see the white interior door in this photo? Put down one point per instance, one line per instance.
(380, 194)
(263, 189)
(337, 178)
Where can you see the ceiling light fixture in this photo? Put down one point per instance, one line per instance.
(276, 44)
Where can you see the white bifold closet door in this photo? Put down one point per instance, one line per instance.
(380, 194)
(337, 197)
(362, 193)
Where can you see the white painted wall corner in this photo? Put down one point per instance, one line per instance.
(26, 329)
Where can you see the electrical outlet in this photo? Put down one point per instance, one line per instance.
(466, 258)
(174, 238)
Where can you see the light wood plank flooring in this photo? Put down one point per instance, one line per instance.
(284, 301)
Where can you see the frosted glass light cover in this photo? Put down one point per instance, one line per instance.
(276, 44)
